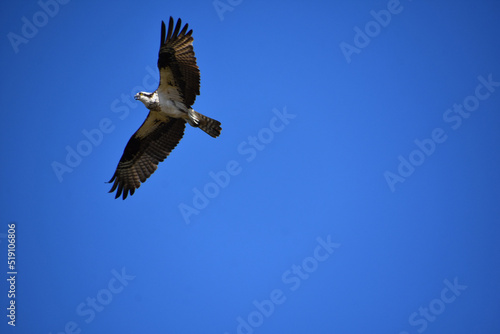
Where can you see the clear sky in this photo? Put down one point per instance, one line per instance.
(354, 188)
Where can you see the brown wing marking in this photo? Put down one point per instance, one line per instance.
(149, 145)
(177, 55)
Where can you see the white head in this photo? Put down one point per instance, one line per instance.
(147, 98)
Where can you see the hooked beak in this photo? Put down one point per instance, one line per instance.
(136, 96)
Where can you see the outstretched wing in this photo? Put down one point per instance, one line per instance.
(149, 145)
(179, 74)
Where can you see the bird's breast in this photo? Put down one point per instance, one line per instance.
(173, 109)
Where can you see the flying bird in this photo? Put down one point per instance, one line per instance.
(169, 110)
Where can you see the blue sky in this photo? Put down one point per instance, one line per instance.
(354, 188)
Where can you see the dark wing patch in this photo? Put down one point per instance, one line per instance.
(176, 53)
(149, 145)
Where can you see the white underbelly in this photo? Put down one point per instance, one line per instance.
(173, 109)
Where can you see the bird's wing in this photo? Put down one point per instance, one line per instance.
(149, 145)
(179, 74)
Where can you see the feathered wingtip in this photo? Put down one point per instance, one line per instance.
(119, 188)
(173, 32)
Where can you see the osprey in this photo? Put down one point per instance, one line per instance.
(169, 110)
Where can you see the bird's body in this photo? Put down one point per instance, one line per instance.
(169, 110)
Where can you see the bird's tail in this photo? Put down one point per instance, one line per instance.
(207, 124)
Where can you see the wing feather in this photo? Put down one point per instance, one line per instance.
(176, 55)
(149, 145)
